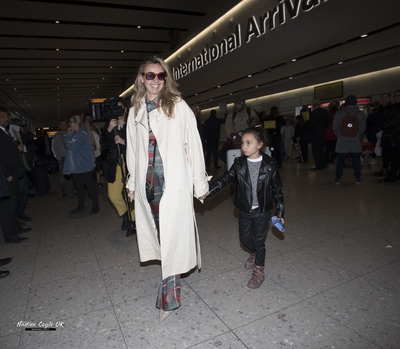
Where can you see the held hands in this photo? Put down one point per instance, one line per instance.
(204, 196)
(131, 195)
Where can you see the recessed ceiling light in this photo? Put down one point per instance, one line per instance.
(230, 94)
(138, 27)
(256, 86)
(57, 67)
(219, 86)
(8, 80)
(110, 67)
(104, 78)
(58, 78)
(196, 94)
(294, 59)
(122, 51)
(15, 88)
(340, 62)
(210, 99)
(57, 22)
(364, 35)
(291, 78)
(249, 76)
(57, 49)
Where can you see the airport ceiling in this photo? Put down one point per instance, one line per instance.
(58, 54)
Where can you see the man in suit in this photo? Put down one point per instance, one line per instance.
(13, 169)
(318, 123)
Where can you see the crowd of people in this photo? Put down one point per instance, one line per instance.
(154, 158)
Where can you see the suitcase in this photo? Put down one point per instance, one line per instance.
(236, 140)
(231, 155)
(234, 153)
(41, 179)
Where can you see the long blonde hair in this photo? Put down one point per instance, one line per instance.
(167, 97)
(90, 128)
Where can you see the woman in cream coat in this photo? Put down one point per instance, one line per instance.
(166, 227)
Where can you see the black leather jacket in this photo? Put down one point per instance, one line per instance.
(269, 187)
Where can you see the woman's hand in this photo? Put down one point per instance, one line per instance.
(10, 178)
(131, 195)
(119, 140)
(204, 196)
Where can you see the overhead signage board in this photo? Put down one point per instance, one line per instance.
(256, 25)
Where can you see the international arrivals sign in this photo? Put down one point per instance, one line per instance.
(256, 27)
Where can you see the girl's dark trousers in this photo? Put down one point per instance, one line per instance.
(253, 227)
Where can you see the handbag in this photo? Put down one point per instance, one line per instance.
(149, 184)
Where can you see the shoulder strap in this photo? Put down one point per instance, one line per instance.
(248, 111)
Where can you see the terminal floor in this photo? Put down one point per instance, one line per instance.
(332, 279)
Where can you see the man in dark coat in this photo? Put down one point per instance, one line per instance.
(391, 139)
(212, 130)
(273, 124)
(13, 169)
(317, 125)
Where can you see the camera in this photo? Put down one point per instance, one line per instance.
(107, 110)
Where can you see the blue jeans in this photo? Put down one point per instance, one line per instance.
(356, 159)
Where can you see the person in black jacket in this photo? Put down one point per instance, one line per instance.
(300, 134)
(212, 130)
(391, 139)
(259, 188)
(13, 169)
(113, 138)
(318, 123)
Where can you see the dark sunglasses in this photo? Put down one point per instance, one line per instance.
(151, 76)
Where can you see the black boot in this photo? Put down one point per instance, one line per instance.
(125, 221)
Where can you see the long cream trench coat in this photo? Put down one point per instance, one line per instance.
(185, 176)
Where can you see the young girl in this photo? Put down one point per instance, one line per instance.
(259, 187)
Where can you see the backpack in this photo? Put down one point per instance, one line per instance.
(349, 126)
(235, 112)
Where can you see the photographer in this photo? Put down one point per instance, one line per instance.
(114, 168)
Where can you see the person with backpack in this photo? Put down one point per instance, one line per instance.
(236, 122)
(349, 126)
